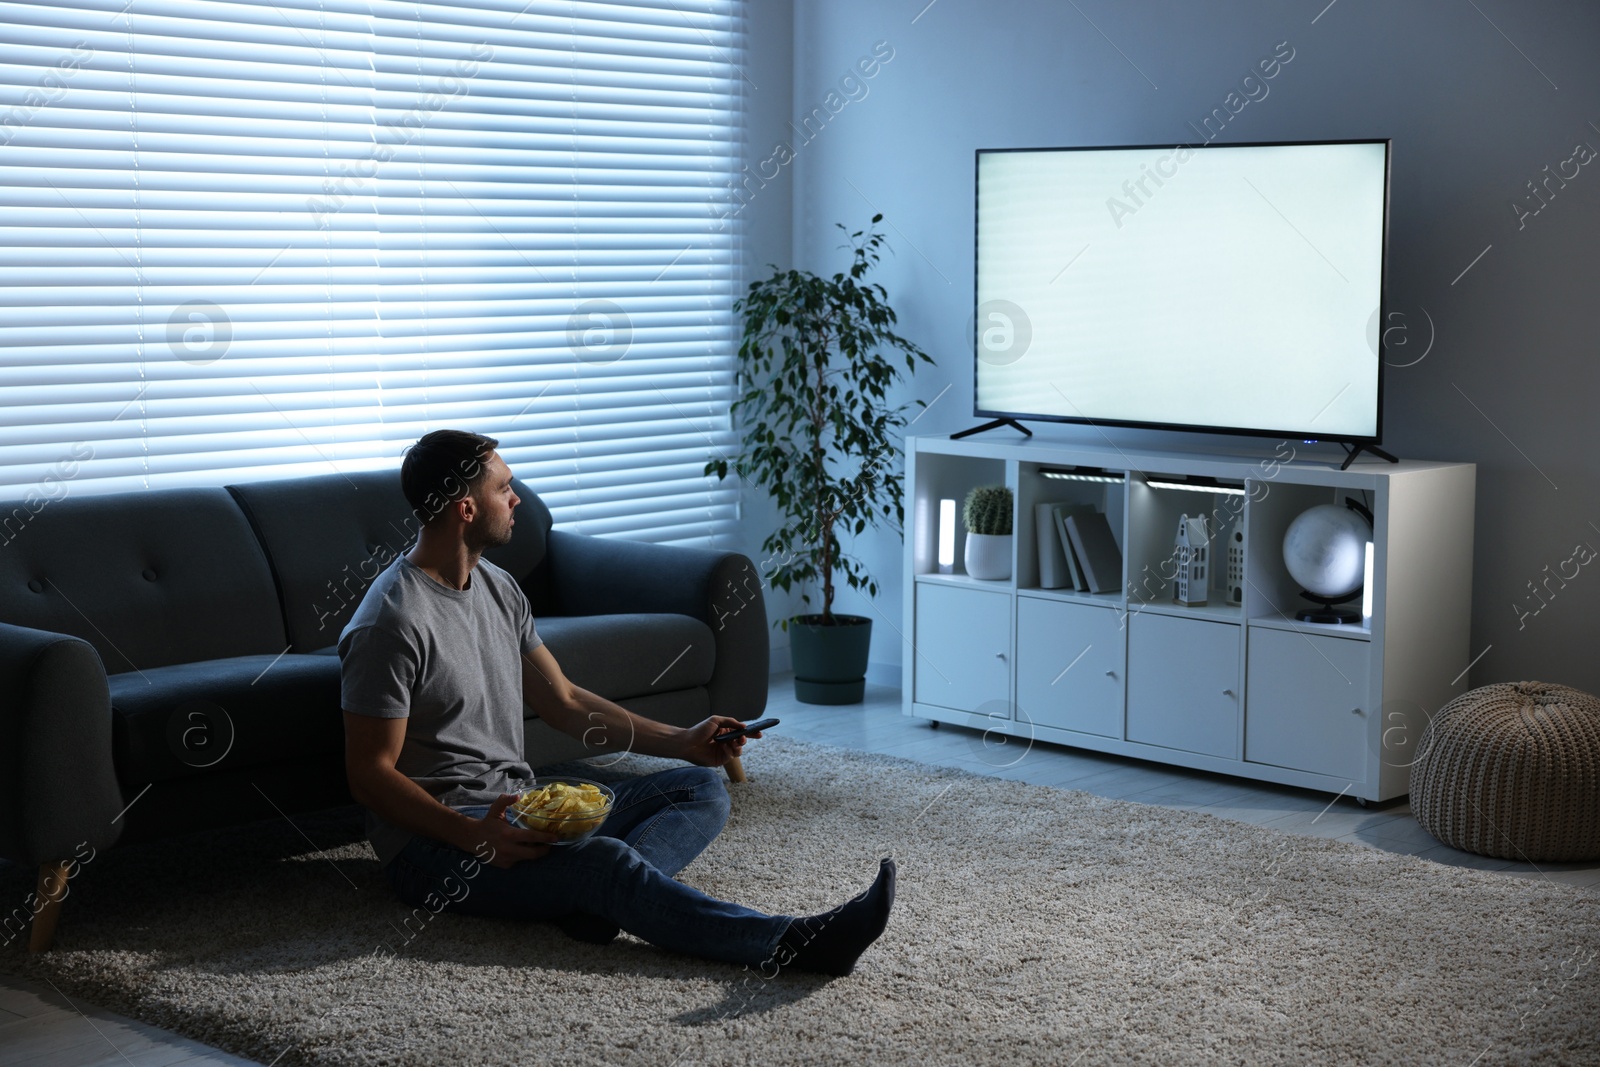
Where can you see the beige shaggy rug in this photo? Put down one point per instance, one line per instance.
(1033, 926)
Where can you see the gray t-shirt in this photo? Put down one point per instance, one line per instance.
(451, 661)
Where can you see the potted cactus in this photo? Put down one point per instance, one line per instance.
(987, 516)
(817, 361)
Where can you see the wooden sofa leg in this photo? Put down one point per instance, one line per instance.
(52, 890)
(735, 769)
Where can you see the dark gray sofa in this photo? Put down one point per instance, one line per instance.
(168, 658)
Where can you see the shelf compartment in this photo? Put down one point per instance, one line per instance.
(1035, 486)
(1272, 596)
(1153, 514)
(946, 477)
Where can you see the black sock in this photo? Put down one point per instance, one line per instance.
(581, 926)
(831, 943)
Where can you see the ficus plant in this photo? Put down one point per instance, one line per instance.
(817, 359)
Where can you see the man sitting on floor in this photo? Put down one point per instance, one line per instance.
(436, 665)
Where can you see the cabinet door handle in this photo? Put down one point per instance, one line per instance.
(1227, 692)
(1355, 711)
(999, 655)
(1111, 674)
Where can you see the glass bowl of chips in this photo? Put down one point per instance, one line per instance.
(570, 808)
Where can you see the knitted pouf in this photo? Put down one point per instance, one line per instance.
(1513, 771)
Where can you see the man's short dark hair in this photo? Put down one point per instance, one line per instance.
(441, 468)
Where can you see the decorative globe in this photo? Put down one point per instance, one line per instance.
(1325, 549)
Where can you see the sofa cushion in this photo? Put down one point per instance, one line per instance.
(149, 579)
(244, 711)
(622, 656)
(329, 536)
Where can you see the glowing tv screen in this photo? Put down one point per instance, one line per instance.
(1227, 288)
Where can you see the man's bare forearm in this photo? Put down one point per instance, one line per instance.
(602, 724)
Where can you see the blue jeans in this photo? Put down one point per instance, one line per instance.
(658, 824)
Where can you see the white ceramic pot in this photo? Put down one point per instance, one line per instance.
(988, 556)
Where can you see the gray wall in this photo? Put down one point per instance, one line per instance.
(1476, 110)
(766, 223)
(768, 83)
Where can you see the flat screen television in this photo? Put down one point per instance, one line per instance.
(1230, 288)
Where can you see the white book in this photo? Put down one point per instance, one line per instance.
(1080, 579)
(1053, 572)
(1097, 551)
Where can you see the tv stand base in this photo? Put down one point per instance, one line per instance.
(1352, 453)
(992, 424)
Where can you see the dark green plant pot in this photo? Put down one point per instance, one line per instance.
(830, 662)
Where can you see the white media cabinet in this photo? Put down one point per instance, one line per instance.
(1240, 689)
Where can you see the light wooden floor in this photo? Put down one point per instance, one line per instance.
(40, 1026)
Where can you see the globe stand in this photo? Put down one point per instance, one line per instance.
(1328, 611)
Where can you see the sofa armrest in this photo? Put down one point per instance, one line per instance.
(605, 576)
(59, 786)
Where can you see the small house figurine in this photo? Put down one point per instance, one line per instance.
(1236, 562)
(1190, 551)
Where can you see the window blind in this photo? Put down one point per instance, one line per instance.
(243, 241)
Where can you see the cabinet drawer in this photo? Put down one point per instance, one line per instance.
(1307, 703)
(963, 648)
(1070, 666)
(1183, 683)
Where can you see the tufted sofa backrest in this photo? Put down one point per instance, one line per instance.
(148, 578)
(163, 576)
(328, 536)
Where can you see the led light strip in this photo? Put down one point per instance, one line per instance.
(1079, 474)
(1197, 487)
